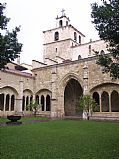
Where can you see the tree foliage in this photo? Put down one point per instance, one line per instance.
(87, 104)
(10, 48)
(34, 107)
(106, 20)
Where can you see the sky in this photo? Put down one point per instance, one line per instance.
(36, 16)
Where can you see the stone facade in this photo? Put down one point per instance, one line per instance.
(58, 83)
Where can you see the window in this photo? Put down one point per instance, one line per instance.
(75, 36)
(42, 102)
(79, 57)
(60, 23)
(56, 50)
(89, 49)
(48, 103)
(56, 36)
(7, 102)
(66, 23)
(12, 102)
(102, 52)
(79, 39)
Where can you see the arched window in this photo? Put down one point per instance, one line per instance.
(56, 36)
(102, 52)
(31, 99)
(66, 23)
(115, 101)
(60, 23)
(79, 39)
(48, 103)
(42, 102)
(37, 99)
(12, 102)
(79, 57)
(96, 98)
(89, 49)
(105, 102)
(27, 102)
(1, 102)
(7, 102)
(75, 36)
(23, 103)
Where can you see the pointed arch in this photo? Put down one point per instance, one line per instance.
(105, 101)
(115, 101)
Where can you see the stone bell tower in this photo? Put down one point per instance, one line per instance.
(58, 41)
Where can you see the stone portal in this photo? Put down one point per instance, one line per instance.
(72, 93)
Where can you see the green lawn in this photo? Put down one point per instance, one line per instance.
(64, 139)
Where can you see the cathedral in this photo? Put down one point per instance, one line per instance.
(68, 71)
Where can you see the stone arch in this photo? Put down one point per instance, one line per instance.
(115, 101)
(45, 99)
(8, 89)
(27, 92)
(67, 77)
(105, 101)
(72, 93)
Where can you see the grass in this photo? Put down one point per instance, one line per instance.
(64, 139)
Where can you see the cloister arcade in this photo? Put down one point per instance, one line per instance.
(107, 97)
(42, 97)
(8, 96)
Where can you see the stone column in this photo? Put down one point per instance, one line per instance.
(10, 103)
(110, 105)
(19, 106)
(85, 86)
(54, 100)
(100, 103)
(4, 102)
(44, 102)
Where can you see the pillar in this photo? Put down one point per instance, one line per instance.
(54, 92)
(19, 103)
(100, 103)
(110, 104)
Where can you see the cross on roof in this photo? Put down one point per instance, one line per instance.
(63, 12)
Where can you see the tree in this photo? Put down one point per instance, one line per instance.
(106, 20)
(88, 105)
(34, 107)
(9, 46)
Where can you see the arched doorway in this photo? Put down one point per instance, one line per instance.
(115, 101)
(105, 102)
(72, 93)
